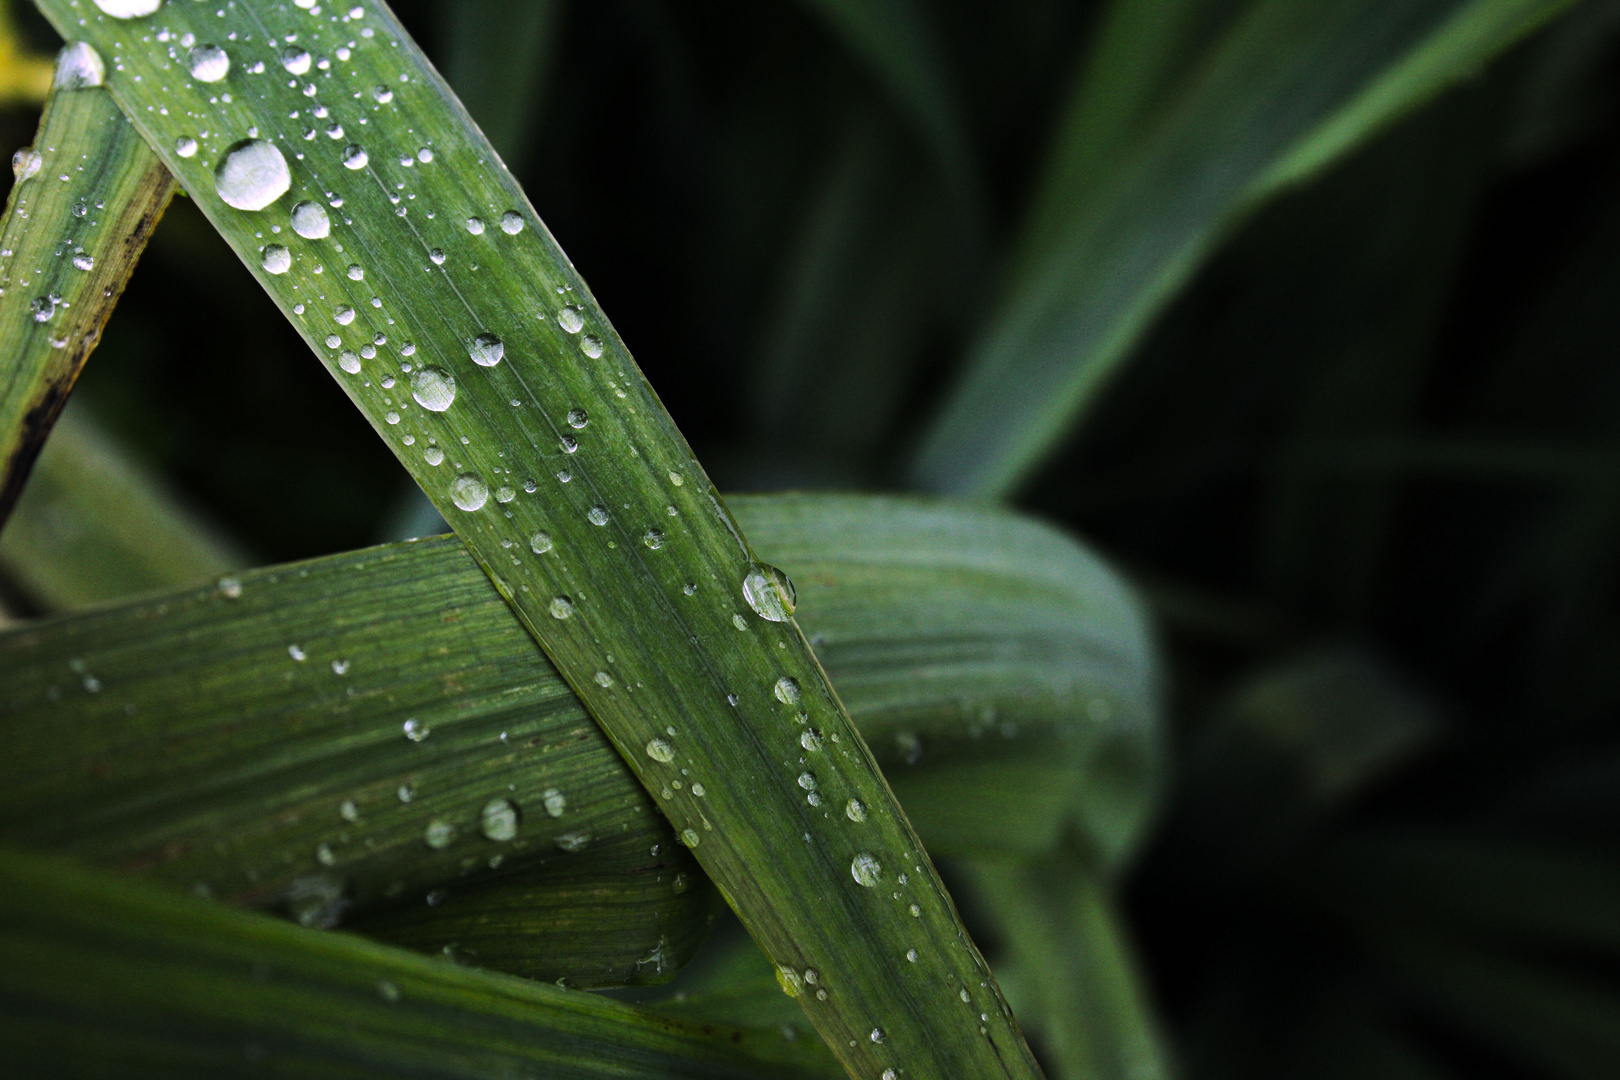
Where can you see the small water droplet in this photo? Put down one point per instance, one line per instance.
(597, 515)
(787, 690)
(570, 319)
(25, 163)
(208, 63)
(659, 750)
(276, 260)
(866, 869)
(555, 802)
(690, 837)
(433, 388)
(387, 991)
(324, 855)
(561, 607)
(350, 810)
(128, 9)
(355, 271)
(416, 731)
(81, 261)
(349, 362)
(309, 220)
(878, 1035)
(340, 667)
(437, 255)
(486, 350)
(770, 593)
(603, 679)
(295, 60)
(475, 226)
(252, 175)
(810, 739)
(185, 146)
(916, 912)
(439, 833)
(406, 792)
(807, 781)
(381, 95)
(433, 455)
(78, 67)
(592, 345)
(469, 492)
(911, 954)
(511, 223)
(230, 588)
(573, 842)
(354, 156)
(297, 653)
(540, 543)
(855, 810)
(653, 538)
(434, 898)
(578, 418)
(499, 820)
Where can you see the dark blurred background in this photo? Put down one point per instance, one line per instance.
(1364, 464)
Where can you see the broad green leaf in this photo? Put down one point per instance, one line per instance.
(435, 270)
(319, 737)
(102, 977)
(86, 197)
(93, 525)
(1285, 89)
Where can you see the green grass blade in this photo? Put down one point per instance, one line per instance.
(1070, 950)
(93, 525)
(978, 651)
(88, 194)
(691, 679)
(1286, 89)
(101, 977)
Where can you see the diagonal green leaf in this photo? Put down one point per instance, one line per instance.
(87, 195)
(100, 977)
(319, 738)
(1284, 90)
(433, 268)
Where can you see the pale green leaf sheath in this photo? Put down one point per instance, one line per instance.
(335, 161)
(87, 195)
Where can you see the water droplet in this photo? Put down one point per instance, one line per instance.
(78, 66)
(603, 679)
(787, 690)
(439, 834)
(324, 855)
(540, 543)
(911, 954)
(416, 731)
(855, 810)
(349, 810)
(309, 220)
(230, 588)
(340, 667)
(966, 996)
(511, 223)
(475, 226)
(578, 418)
(295, 60)
(916, 912)
(866, 869)
(739, 622)
(81, 261)
(344, 315)
(486, 350)
(424, 155)
(592, 345)
(469, 492)
(878, 1035)
(433, 388)
(659, 750)
(276, 260)
(128, 9)
(690, 837)
(597, 515)
(43, 307)
(434, 898)
(349, 362)
(770, 593)
(653, 538)
(25, 163)
(433, 455)
(556, 803)
(810, 739)
(406, 792)
(208, 63)
(500, 820)
(807, 781)
(699, 790)
(889, 1074)
(355, 271)
(570, 319)
(387, 991)
(381, 95)
(354, 156)
(561, 607)
(297, 653)
(185, 146)
(252, 175)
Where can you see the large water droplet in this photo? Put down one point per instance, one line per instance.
(354, 157)
(511, 223)
(866, 869)
(469, 492)
(855, 810)
(277, 259)
(770, 593)
(591, 345)
(295, 60)
(208, 63)
(578, 418)
(309, 220)
(78, 66)
(540, 543)
(25, 163)
(475, 226)
(128, 9)
(499, 820)
(349, 362)
(561, 607)
(570, 319)
(486, 350)
(787, 690)
(433, 388)
(253, 175)
(659, 750)
(597, 515)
